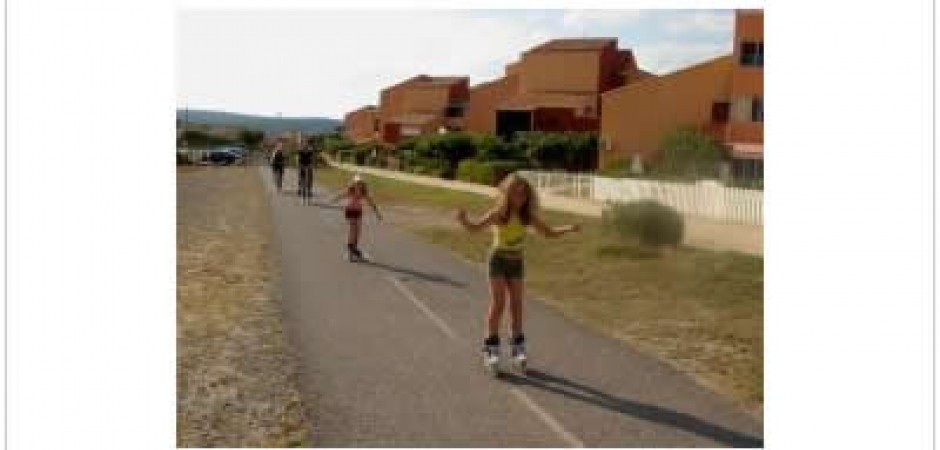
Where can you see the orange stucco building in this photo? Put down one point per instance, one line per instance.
(362, 125)
(420, 105)
(555, 86)
(722, 96)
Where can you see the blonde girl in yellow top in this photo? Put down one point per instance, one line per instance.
(516, 210)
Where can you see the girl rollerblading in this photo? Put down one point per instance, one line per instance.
(355, 194)
(515, 212)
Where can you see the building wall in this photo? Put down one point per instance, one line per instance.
(482, 102)
(749, 27)
(586, 72)
(636, 116)
(426, 99)
(418, 97)
(361, 125)
(560, 71)
(747, 82)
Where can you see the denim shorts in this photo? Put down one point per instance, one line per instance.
(506, 264)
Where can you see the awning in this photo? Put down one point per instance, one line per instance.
(414, 119)
(747, 151)
(530, 101)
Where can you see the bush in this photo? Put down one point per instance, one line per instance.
(197, 138)
(617, 169)
(490, 147)
(688, 152)
(182, 159)
(646, 222)
(487, 172)
(251, 139)
(447, 149)
(336, 145)
(552, 150)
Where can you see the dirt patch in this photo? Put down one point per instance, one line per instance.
(236, 376)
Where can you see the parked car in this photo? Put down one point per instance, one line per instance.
(236, 149)
(222, 157)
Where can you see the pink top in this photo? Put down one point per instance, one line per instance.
(355, 200)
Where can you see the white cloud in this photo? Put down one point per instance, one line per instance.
(665, 57)
(587, 19)
(700, 22)
(330, 62)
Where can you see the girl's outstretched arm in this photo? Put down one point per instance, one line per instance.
(474, 225)
(553, 232)
(374, 208)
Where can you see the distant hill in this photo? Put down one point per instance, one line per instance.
(259, 123)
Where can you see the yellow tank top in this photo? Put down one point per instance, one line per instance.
(510, 236)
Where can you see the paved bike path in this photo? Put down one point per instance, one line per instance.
(389, 355)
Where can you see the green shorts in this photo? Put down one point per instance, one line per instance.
(506, 264)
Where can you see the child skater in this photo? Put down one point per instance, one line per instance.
(356, 193)
(515, 211)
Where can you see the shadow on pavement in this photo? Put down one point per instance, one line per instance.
(652, 413)
(426, 276)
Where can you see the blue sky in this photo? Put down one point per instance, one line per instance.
(327, 62)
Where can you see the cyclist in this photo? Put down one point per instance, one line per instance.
(305, 170)
(277, 165)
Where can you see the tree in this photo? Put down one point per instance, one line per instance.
(250, 138)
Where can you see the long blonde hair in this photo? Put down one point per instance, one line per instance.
(528, 210)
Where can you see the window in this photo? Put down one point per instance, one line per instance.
(375, 125)
(757, 109)
(752, 54)
(720, 112)
(454, 111)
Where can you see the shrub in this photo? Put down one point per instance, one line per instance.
(487, 172)
(335, 145)
(646, 222)
(689, 152)
(618, 168)
(447, 149)
(251, 139)
(490, 147)
(182, 159)
(552, 150)
(198, 138)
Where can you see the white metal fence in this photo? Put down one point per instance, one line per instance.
(704, 199)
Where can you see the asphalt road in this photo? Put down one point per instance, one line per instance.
(389, 354)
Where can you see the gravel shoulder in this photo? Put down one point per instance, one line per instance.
(236, 374)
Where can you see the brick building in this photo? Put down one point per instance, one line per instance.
(722, 96)
(421, 105)
(554, 86)
(362, 125)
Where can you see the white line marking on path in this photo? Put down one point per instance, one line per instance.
(564, 434)
(434, 318)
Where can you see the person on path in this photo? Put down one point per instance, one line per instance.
(516, 210)
(355, 194)
(278, 159)
(305, 161)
